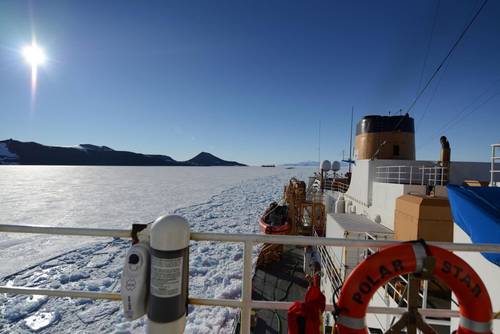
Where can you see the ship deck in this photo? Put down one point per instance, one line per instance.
(278, 281)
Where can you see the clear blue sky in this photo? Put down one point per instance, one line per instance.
(249, 80)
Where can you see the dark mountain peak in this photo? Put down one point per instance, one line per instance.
(208, 159)
(13, 141)
(205, 155)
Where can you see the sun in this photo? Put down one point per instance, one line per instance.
(34, 55)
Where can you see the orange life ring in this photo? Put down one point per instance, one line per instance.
(475, 304)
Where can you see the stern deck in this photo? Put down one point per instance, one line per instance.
(278, 281)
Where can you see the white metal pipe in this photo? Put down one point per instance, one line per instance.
(234, 303)
(336, 242)
(246, 293)
(113, 296)
(214, 302)
(60, 293)
(437, 322)
(254, 238)
(246, 304)
(425, 294)
(72, 231)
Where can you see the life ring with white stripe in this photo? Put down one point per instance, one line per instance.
(473, 298)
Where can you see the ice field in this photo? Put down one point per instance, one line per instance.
(218, 199)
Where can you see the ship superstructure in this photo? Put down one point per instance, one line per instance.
(386, 195)
(390, 195)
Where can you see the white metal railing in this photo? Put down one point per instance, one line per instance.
(493, 170)
(337, 186)
(418, 175)
(246, 304)
(330, 270)
(332, 184)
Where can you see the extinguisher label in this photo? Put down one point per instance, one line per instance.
(166, 276)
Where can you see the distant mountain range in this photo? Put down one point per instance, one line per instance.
(31, 153)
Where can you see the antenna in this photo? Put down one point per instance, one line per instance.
(350, 141)
(350, 161)
(319, 141)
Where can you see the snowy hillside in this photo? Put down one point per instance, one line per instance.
(6, 156)
(215, 269)
(31, 153)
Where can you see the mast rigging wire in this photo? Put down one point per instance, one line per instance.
(434, 92)
(429, 44)
(437, 85)
(436, 71)
(463, 114)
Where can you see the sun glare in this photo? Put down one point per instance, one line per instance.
(34, 55)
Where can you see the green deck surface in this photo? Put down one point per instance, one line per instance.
(278, 281)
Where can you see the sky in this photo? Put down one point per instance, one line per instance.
(252, 81)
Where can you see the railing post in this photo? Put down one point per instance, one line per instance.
(411, 173)
(423, 173)
(399, 174)
(492, 168)
(246, 294)
(413, 290)
(425, 294)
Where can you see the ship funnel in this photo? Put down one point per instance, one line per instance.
(385, 137)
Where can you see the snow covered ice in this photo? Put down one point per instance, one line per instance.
(211, 199)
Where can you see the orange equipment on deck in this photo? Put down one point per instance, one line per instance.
(305, 216)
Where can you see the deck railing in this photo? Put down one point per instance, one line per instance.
(332, 184)
(418, 175)
(495, 157)
(246, 303)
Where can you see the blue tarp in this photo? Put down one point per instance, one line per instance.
(477, 211)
